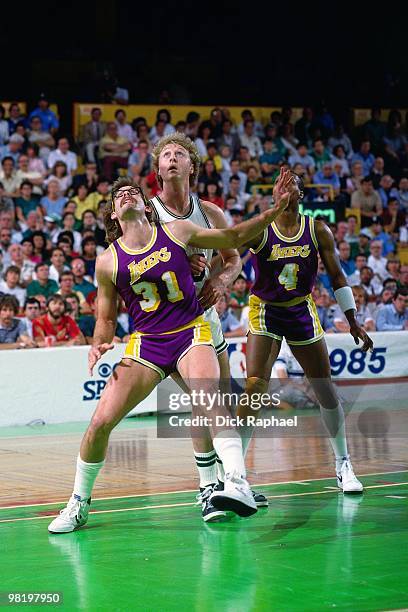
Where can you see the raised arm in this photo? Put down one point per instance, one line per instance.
(342, 291)
(107, 310)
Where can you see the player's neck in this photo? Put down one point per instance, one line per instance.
(289, 217)
(176, 196)
(137, 232)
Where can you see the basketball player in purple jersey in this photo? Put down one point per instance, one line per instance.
(177, 162)
(285, 258)
(147, 265)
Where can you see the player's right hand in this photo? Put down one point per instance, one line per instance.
(198, 264)
(95, 353)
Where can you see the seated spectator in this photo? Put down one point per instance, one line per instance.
(377, 233)
(92, 132)
(302, 157)
(361, 262)
(376, 261)
(18, 259)
(43, 285)
(212, 153)
(102, 192)
(288, 138)
(60, 173)
(31, 312)
(386, 296)
(89, 255)
(81, 282)
(55, 323)
(356, 177)
(63, 153)
(13, 148)
(49, 120)
(364, 156)
(58, 264)
(28, 250)
(68, 224)
(392, 217)
(250, 140)
(15, 117)
(234, 169)
(33, 224)
(254, 178)
(13, 331)
(320, 154)
(377, 172)
(394, 316)
(245, 159)
(370, 283)
(351, 236)
(403, 194)
(347, 264)
(10, 284)
(363, 315)
(239, 297)
(40, 138)
(24, 173)
(228, 137)
(141, 133)
(124, 129)
(230, 325)
(53, 202)
(207, 175)
(6, 203)
(39, 240)
(270, 158)
(89, 177)
(326, 176)
(140, 161)
(212, 193)
(83, 200)
(235, 193)
(26, 202)
(324, 309)
(9, 179)
(4, 127)
(339, 157)
(368, 201)
(340, 138)
(204, 135)
(248, 115)
(386, 191)
(393, 267)
(66, 282)
(163, 126)
(89, 223)
(113, 151)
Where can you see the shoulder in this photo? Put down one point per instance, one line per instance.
(214, 214)
(323, 233)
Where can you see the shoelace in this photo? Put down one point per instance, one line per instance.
(203, 495)
(239, 482)
(347, 466)
(73, 509)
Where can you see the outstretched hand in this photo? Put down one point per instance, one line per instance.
(283, 189)
(95, 353)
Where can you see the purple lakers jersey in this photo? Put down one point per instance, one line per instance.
(285, 268)
(156, 283)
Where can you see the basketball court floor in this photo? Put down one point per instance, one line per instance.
(146, 547)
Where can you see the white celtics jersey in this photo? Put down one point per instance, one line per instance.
(195, 214)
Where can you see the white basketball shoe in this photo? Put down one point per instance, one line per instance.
(236, 496)
(347, 480)
(73, 516)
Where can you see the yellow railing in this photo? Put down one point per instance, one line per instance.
(269, 186)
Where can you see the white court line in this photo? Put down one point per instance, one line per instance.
(265, 484)
(396, 496)
(180, 505)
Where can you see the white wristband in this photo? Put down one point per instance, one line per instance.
(345, 298)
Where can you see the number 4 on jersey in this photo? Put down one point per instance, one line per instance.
(288, 276)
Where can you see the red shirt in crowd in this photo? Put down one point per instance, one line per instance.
(65, 330)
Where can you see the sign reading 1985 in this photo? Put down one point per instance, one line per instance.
(356, 362)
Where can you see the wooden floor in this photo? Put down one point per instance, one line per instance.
(38, 464)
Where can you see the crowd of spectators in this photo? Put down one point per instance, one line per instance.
(54, 187)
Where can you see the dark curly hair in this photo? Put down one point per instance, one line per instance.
(112, 226)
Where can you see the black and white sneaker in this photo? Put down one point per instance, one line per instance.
(236, 496)
(210, 513)
(259, 498)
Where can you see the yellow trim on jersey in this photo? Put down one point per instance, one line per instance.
(144, 249)
(285, 238)
(312, 232)
(287, 304)
(263, 242)
(173, 237)
(115, 263)
(132, 351)
(197, 321)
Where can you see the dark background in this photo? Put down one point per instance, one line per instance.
(237, 53)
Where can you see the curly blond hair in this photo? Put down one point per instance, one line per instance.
(187, 144)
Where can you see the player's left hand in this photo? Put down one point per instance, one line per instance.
(211, 292)
(359, 333)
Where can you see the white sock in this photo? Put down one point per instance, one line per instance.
(335, 424)
(228, 447)
(206, 468)
(85, 477)
(246, 432)
(220, 469)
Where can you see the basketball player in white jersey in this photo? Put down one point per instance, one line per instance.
(176, 202)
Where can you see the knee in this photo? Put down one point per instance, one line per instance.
(100, 427)
(255, 384)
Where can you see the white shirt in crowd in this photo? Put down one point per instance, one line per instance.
(69, 158)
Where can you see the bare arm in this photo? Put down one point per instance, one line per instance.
(107, 311)
(338, 280)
